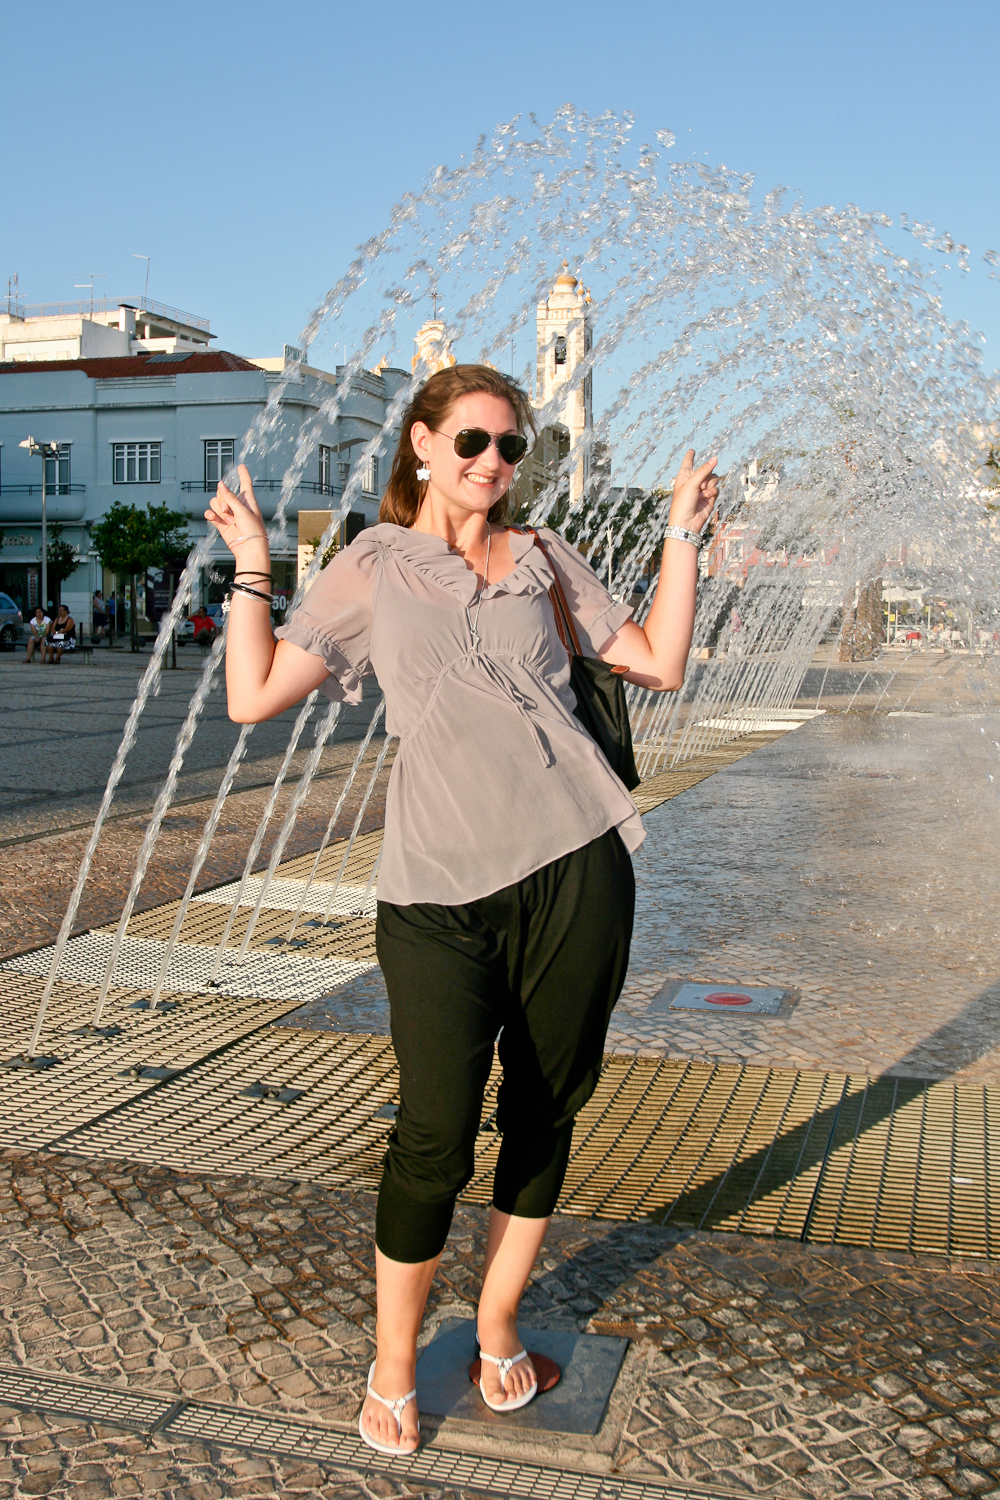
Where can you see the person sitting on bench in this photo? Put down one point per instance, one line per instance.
(61, 636)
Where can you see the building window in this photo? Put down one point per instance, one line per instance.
(560, 349)
(327, 458)
(369, 479)
(219, 453)
(137, 463)
(57, 471)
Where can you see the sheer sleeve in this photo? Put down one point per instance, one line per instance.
(596, 614)
(334, 620)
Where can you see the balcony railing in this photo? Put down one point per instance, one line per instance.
(161, 310)
(262, 487)
(36, 489)
(102, 306)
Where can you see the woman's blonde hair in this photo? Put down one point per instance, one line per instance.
(431, 404)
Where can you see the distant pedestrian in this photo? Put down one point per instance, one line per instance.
(61, 636)
(99, 628)
(38, 627)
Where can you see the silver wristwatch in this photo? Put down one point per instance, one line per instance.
(681, 534)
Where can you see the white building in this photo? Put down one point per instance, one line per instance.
(78, 330)
(145, 423)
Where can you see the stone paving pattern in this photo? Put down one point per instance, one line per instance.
(757, 1367)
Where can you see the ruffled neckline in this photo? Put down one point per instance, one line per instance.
(434, 560)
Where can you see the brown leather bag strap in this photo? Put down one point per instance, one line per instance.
(564, 619)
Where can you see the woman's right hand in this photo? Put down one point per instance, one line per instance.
(237, 518)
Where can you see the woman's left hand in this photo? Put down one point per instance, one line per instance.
(695, 493)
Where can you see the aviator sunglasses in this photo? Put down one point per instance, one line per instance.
(472, 441)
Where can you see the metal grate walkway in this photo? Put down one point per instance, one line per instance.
(211, 1086)
(333, 1447)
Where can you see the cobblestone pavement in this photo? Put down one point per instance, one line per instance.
(931, 681)
(756, 1367)
(61, 731)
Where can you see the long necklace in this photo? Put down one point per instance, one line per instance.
(474, 623)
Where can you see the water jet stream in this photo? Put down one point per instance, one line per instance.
(379, 763)
(149, 681)
(163, 801)
(258, 838)
(331, 825)
(300, 794)
(201, 854)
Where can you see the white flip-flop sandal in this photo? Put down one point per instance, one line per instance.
(505, 1366)
(396, 1407)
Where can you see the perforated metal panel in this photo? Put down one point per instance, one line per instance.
(287, 895)
(336, 1448)
(260, 974)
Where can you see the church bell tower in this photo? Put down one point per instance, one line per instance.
(563, 339)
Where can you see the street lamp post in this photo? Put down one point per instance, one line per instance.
(46, 451)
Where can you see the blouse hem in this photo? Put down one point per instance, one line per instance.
(625, 826)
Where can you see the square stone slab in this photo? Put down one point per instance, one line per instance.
(589, 1362)
(728, 999)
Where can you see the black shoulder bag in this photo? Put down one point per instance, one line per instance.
(600, 692)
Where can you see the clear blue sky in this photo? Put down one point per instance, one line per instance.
(248, 148)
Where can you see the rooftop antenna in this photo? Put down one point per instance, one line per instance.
(83, 286)
(146, 259)
(10, 293)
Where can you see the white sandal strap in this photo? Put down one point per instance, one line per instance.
(396, 1405)
(503, 1365)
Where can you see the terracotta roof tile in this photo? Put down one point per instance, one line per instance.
(127, 367)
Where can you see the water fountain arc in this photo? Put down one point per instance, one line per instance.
(779, 336)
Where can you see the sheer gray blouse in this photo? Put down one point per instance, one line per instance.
(494, 777)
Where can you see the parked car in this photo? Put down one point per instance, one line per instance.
(10, 623)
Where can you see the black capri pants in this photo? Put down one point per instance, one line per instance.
(543, 959)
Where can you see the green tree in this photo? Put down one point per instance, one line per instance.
(129, 540)
(61, 560)
(329, 552)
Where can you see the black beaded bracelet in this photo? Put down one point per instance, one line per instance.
(244, 588)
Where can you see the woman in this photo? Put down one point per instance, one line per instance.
(38, 629)
(61, 636)
(505, 888)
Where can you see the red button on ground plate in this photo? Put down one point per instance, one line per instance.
(727, 997)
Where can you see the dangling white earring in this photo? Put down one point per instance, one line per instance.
(423, 473)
